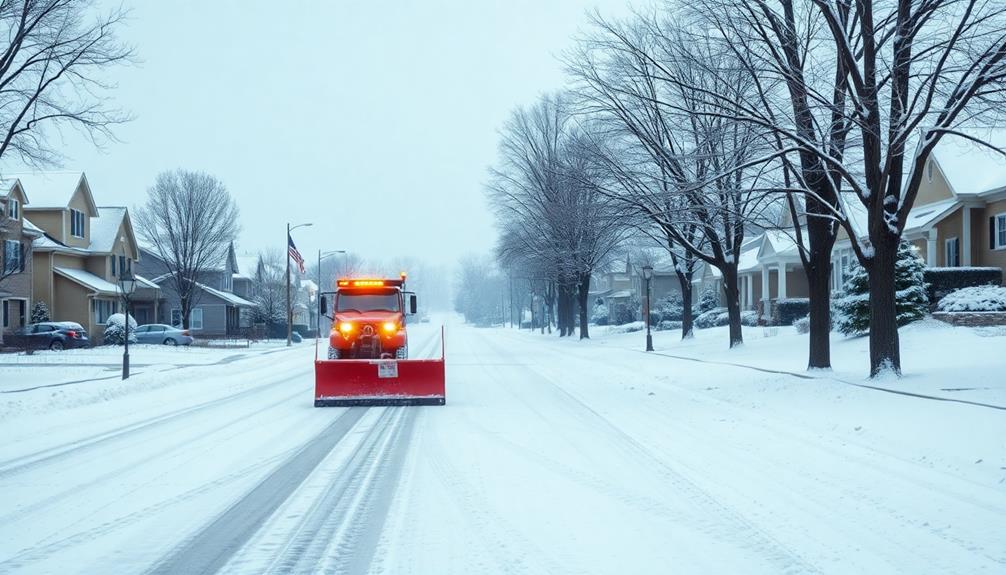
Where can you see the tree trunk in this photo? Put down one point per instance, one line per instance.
(584, 292)
(732, 292)
(687, 321)
(820, 240)
(184, 305)
(885, 350)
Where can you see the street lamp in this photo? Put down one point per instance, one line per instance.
(127, 284)
(322, 256)
(648, 275)
(289, 305)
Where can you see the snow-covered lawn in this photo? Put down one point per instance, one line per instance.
(49, 380)
(937, 358)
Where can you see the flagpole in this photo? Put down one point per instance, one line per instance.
(289, 309)
(289, 304)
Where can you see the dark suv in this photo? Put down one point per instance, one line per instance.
(54, 335)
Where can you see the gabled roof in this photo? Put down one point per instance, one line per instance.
(929, 214)
(247, 266)
(226, 296)
(52, 190)
(779, 243)
(971, 168)
(105, 229)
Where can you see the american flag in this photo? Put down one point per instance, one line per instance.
(295, 254)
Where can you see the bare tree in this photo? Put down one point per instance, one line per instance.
(52, 70)
(270, 288)
(903, 74)
(549, 205)
(190, 220)
(698, 177)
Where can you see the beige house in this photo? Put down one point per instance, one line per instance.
(959, 219)
(84, 250)
(16, 237)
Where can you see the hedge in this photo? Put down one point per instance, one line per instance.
(945, 280)
(789, 310)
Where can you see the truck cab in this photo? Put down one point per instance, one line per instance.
(369, 319)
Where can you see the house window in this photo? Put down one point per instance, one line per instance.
(6, 313)
(122, 263)
(1000, 229)
(952, 253)
(13, 258)
(929, 170)
(76, 223)
(195, 318)
(14, 209)
(103, 308)
(111, 263)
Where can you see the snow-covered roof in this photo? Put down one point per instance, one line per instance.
(48, 189)
(749, 258)
(929, 214)
(227, 296)
(88, 280)
(144, 282)
(247, 266)
(780, 243)
(105, 229)
(971, 168)
(31, 228)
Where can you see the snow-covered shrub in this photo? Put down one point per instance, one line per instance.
(802, 325)
(39, 312)
(599, 315)
(667, 308)
(115, 329)
(942, 281)
(712, 318)
(666, 325)
(623, 314)
(628, 328)
(749, 318)
(786, 311)
(979, 298)
(708, 300)
(911, 300)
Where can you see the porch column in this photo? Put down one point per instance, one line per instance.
(750, 291)
(931, 248)
(782, 281)
(764, 288)
(966, 240)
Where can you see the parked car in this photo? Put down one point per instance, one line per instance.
(159, 333)
(54, 335)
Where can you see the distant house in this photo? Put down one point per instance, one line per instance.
(16, 236)
(217, 309)
(81, 250)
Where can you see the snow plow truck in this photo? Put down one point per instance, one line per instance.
(367, 360)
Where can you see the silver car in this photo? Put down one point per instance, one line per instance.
(160, 333)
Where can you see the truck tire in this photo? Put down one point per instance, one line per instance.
(402, 352)
(333, 353)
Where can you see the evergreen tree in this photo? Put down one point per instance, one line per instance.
(709, 300)
(912, 301)
(39, 312)
(115, 329)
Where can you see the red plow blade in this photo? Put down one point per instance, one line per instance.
(350, 382)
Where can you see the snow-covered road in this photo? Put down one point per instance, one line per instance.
(550, 457)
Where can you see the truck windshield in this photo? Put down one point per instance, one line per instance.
(368, 302)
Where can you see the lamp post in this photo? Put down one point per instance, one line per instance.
(322, 256)
(289, 305)
(648, 275)
(127, 283)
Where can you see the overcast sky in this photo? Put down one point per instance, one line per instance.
(375, 120)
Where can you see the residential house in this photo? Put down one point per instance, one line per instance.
(611, 288)
(217, 309)
(81, 251)
(16, 236)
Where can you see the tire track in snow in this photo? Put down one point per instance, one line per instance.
(33, 460)
(341, 530)
(209, 549)
(726, 521)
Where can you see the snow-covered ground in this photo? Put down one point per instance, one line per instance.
(550, 457)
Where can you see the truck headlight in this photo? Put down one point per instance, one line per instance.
(390, 327)
(346, 327)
